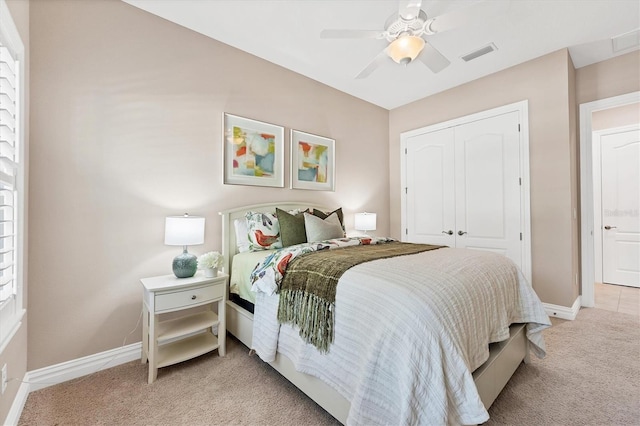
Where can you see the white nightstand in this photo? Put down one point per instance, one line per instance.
(166, 342)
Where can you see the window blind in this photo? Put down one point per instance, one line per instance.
(8, 170)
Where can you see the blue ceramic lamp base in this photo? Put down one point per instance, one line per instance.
(185, 265)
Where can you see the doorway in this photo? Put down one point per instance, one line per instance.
(587, 215)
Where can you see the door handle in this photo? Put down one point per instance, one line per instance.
(449, 232)
(609, 227)
(461, 233)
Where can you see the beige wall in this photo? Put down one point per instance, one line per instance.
(126, 128)
(575, 181)
(15, 354)
(617, 76)
(625, 115)
(546, 83)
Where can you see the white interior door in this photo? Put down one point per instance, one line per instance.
(488, 186)
(620, 186)
(430, 213)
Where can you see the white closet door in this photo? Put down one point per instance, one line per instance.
(466, 180)
(488, 186)
(431, 190)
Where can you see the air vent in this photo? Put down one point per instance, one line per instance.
(479, 52)
(626, 41)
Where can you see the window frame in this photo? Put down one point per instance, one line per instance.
(11, 310)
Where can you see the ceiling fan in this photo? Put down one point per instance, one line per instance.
(407, 29)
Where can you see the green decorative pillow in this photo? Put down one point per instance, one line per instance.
(322, 229)
(292, 230)
(338, 212)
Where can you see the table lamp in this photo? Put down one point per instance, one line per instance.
(184, 231)
(365, 222)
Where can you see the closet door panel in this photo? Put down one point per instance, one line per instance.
(487, 186)
(480, 185)
(430, 188)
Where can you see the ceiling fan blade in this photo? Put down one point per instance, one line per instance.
(409, 9)
(477, 13)
(351, 34)
(433, 59)
(375, 63)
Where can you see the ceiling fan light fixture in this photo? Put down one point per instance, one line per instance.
(405, 48)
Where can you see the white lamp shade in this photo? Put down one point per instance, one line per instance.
(184, 230)
(405, 48)
(365, 221)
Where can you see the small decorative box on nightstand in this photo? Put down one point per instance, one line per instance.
(179, 339)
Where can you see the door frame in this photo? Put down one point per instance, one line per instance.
(522, 108)
(587, 207)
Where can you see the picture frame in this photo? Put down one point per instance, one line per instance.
(312, 161)
(253, 152)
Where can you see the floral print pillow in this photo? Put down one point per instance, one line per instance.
(263, 231)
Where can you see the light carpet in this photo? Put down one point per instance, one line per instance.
(591, 376)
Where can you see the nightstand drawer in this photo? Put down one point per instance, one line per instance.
(183, 298)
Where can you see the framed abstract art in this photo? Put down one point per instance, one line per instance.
(312, 162)
(253, 152)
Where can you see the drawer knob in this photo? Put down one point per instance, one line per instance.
(193, 297)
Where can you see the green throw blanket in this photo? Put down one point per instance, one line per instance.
(308, 288)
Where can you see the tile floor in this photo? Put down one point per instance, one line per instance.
(618, 298)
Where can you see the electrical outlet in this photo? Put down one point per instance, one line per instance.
(4, 378)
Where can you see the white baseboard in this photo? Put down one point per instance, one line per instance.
(563, 311)
(18, 404)
(58, 373)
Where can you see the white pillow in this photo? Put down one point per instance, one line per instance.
(322, 229)
(242, 235)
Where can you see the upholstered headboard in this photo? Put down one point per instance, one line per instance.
(229, 244)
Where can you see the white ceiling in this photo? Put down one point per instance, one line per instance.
(286, 32)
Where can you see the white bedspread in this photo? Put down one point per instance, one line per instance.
(409, 331)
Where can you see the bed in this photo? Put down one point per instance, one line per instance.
(371, 393)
